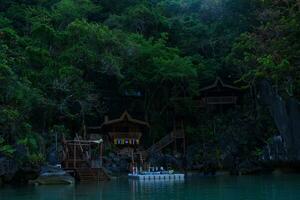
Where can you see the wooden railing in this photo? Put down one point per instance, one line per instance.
(130, 134)
(165, 141)
(160, 144)
(221, 100)
(85, 154)
(178, 134)
(75, 153)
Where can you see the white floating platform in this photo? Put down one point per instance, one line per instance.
(157, 176)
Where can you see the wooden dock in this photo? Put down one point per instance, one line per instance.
(165, 177)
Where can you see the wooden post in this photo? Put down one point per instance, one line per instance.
(74, 162)
(183, 133)
(90, 151)
(141, 158)
(84, 131)
(175, 145)
(66, 151)
(174, 137)
(56, 144)
(132, 158)
(101, 152)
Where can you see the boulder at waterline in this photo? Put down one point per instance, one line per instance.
(51, 175)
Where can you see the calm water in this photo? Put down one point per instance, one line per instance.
(283, 187)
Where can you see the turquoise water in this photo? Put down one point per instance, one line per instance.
(283, 187)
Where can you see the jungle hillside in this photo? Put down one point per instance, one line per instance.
(66, 64)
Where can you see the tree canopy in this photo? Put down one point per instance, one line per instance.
(60, 60)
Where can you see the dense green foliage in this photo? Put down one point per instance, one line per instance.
(60, 60)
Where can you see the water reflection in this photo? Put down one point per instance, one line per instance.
(140, 186)
(208, 188)
(151, 189)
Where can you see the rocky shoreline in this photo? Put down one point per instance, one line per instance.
(117, 166)
(273, 159)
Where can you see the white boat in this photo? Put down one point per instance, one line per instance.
(53, 175)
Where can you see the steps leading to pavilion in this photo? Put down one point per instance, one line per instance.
(90, 174)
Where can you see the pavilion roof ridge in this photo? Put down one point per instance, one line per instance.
(219, 81)
(125, 115)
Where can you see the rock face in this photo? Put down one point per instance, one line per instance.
(275, 150)
(116, 164)
(248, 167)
(286, 115)
(13, 172)
(8, 168)
(159, 159)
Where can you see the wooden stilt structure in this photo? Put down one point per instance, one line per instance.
(78, 158)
